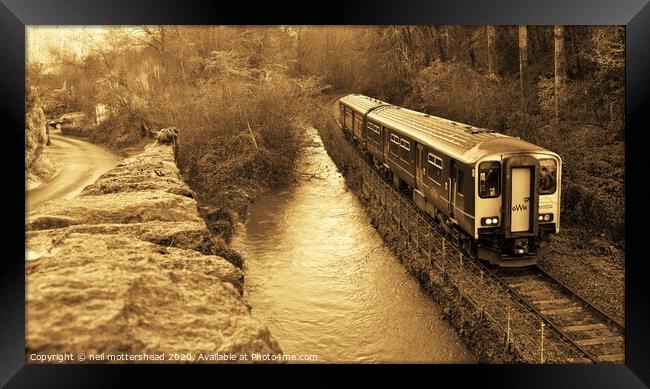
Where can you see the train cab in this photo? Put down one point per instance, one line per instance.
(517, 200)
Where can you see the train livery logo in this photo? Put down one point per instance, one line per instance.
(519, 207)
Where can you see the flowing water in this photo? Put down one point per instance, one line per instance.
(318, 274)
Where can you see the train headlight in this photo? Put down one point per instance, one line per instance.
(490, 221)
(545, 217)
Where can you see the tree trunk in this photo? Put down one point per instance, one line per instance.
(560, 68)
(523, 65)
(492, 49)
(440, 44)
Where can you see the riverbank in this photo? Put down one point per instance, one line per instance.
(129, 266)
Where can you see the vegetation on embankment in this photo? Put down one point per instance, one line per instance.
(37, 166)
(230, 91)
(129, 266)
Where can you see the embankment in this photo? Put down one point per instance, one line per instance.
(129, 266)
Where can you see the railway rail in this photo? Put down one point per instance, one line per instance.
(589, 331)
(600, 337)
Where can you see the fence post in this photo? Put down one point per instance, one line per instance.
(417, 234)
(482, 289)
(461, 276)
(399, 216)
(429, 251)
(541, 344)
(444, 258)
(508, 329)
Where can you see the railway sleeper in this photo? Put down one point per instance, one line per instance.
(560, 311)
(584, 327)
(599, 341)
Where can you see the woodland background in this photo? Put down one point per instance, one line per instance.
(241, 95)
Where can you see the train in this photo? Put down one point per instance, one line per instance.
(496, 195)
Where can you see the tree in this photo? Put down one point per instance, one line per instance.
(523, 65)
(492, 49)
(560, 68)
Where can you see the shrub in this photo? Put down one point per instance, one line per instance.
(458, 92)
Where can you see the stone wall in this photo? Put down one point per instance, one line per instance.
(129, 266)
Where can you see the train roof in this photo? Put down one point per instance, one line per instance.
(460, 141)
(362, 103)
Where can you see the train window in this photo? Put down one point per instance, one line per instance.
(434, 168)
(348, 118)
(547, 176)
(405, 148)
(359, 124)
(489, 179)
(376, 133)
(394, 144)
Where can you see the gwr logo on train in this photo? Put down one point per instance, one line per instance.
(519, 207)
(435, 160)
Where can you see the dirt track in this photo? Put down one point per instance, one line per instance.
(81, 163)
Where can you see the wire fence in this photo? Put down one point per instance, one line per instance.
(426, 249)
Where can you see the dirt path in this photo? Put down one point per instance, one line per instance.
(81, 163)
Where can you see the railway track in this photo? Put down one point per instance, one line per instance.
(598, 336)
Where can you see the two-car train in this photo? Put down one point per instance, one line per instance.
(499, 196)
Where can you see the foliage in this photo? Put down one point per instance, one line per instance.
(35, 130)
(458, 92)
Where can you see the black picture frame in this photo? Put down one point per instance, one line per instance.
(16, 14)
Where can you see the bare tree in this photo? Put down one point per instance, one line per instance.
(560, 67)
(523, 65)
(492, 49)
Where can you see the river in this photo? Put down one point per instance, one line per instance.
(318, 274)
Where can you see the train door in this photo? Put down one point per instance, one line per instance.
(386, 144)
(520, 196)
(520, 215)
(420, 166)
(451, 187)
(459, 195)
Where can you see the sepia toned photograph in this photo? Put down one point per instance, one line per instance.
(300, 194)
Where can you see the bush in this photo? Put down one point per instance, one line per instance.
(244, 134)
(458, 92)
(35, 131)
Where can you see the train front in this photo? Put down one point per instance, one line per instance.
(517, 201)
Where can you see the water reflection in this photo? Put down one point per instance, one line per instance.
(318, 274)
